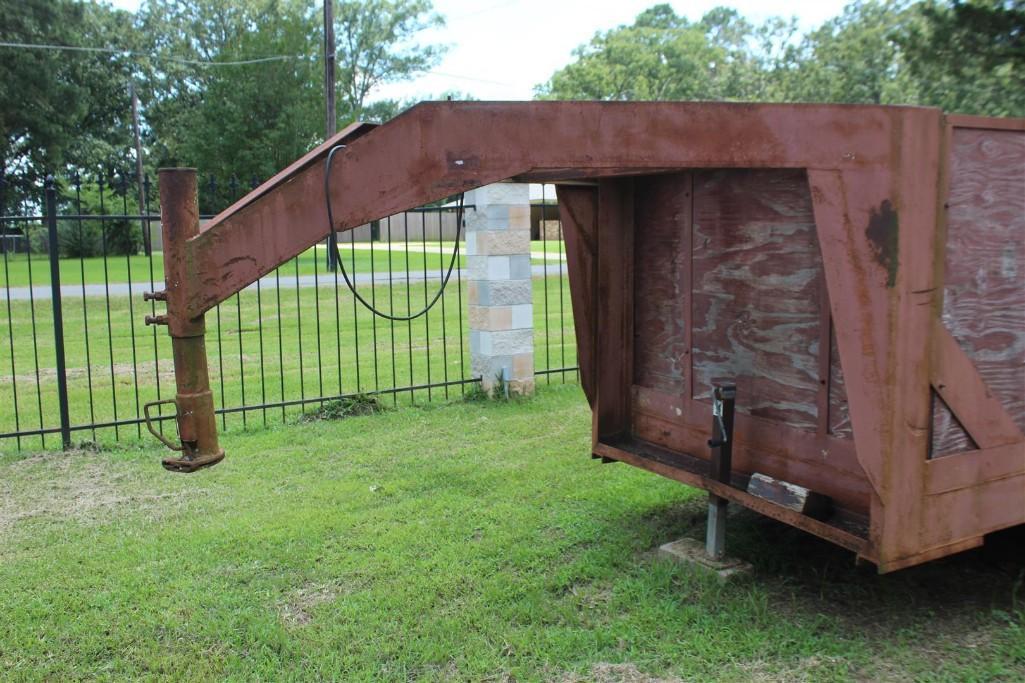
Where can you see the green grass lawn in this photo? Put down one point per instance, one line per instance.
(348, 351)
(465, 541)
(18, 270)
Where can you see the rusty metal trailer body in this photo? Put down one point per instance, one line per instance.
(858, 272)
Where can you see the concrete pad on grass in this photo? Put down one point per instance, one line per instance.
(691, 552)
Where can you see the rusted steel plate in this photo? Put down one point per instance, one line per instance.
(436, 149)
(965, 470)
(961, 385)
(614, 296)
(314, 156)
(578, 210)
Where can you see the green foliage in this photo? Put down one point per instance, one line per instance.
(72, 109)
(962, 56)
(662, 56)
(87, 238)
(116, 237)
(852, 58)
(248, 120)
(969, 56)
(251, 120)
(349, 406)
(475, 393)
(376, 44)
(61, 108)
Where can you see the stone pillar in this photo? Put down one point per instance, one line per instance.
(501, 311)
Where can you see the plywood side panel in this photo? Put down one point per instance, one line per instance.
(661, 274)
(984, 282)
(839, 411)
(756, 304)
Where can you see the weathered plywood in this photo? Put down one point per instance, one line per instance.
(756, 304)
(839, 411)
(984, 282)
(661, 275)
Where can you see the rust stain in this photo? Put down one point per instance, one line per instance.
(883, 234)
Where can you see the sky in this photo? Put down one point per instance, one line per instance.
(501, 49)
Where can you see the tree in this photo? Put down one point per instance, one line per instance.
(663, 56)
(250, 120)
(242, 120)
(969, 56)
(853, 58)
(60, 108)
(376, 45)
(962, 55)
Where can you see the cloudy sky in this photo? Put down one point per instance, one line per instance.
(501, 49)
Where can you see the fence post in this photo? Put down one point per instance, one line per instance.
(501, 311)
(58, 315)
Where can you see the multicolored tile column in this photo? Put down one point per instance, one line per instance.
(501, 312)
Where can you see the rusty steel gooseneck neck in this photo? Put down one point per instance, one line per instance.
(341, 262)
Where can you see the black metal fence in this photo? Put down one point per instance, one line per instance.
(77, 362)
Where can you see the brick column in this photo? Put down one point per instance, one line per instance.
(501, 312)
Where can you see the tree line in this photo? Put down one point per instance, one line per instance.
(232, 87)
(964, 56)
(236, 87)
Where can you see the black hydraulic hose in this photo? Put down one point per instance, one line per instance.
(341, 261)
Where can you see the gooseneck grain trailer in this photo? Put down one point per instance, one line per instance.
(848, 280)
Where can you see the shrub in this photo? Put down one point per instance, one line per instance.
(91, 236)
(350, 406)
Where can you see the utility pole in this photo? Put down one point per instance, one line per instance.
(329, 97)
(147, 243)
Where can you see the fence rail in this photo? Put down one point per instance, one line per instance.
(79, 362)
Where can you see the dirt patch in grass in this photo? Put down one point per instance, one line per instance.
(295, 610)
(804, 670)
(615, 673)
(83, 487)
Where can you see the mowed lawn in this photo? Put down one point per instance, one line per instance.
(263, 346)
(20, 270)
(462, 541)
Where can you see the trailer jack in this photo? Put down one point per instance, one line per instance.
(193, 401)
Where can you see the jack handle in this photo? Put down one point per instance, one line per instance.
(152, 429)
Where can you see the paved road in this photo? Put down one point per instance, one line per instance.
(43, 292)
(550, 256)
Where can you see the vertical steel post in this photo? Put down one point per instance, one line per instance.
(720, 464)
(197, 424)
(58, 314)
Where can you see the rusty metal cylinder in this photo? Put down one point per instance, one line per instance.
(179, 221)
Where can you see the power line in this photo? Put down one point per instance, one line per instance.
(120, 51)
(206, 63)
